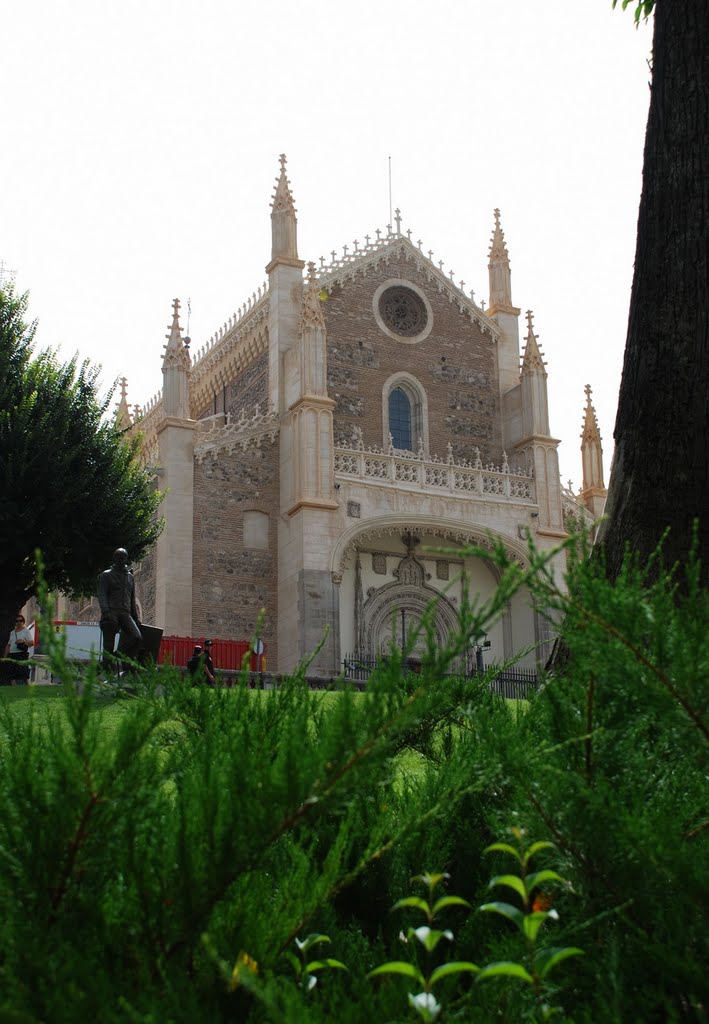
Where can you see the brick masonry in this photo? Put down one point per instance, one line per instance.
(233, 583)
(455, 365)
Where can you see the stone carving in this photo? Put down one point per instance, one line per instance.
(354, 509)
(379, 564)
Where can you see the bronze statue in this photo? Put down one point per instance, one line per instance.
(119, 613)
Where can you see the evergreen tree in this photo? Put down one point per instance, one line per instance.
(71, 483)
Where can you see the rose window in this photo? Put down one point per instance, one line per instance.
(402, 311)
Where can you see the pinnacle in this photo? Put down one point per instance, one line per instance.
(532, 358)
(590, 431)
(174, 328)
(282, 196)
(498, 248)
(123, 419)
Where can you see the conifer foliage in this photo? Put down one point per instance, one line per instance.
(71, 483)
(179, 854)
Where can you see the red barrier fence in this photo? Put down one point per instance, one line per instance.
(227, 655)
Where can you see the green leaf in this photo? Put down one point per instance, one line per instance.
(318, 965)
(506, 910)
(398, 967)
(297, 966)
(430, 937)
(505, 968)
(503, 848)
(534, 921)
(535, 848)
(512, 881)
(413, 901)
(431, 879)
(425, 1005)
(449, 901)
(539, 877)
(311, 940)
(547, 959)
(454, 967)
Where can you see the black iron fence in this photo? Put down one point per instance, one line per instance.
(513, 683)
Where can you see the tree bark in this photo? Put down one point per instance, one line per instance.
(660, 473)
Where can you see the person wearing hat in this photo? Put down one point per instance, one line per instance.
(208, 663)
(200, 664)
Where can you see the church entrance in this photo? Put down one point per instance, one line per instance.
(407, 614)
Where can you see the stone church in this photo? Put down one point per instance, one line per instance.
(329, 454)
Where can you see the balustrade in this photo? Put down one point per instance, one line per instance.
(430, 475)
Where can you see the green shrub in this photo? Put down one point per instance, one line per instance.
(162, 849)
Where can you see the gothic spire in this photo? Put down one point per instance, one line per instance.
(590, 433)
(123, 420)
(532, 361)
(312, 307)
(499, 271)
(498, 247)
(175, 369)
(284, 223)
(591, 450)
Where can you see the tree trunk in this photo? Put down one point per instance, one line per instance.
(660, 472)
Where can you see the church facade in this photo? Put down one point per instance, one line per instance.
(333, 450)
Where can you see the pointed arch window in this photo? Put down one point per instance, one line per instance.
(405, 413)
(400, 419)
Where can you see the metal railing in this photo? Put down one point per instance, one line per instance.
(513, 683)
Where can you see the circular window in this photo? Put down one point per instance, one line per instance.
(402, 311)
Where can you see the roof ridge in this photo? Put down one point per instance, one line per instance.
(342, 267)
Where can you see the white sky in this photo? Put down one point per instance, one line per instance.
(141, 142)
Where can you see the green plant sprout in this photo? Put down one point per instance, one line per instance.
(424, 1002)
(304, 969)
(536, 911)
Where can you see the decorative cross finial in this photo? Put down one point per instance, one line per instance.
(430, 254)
(311, 273)
(124, 387)
(530, 325)
(176, 307)
(482, 305)
(283, 160)
(587, 391)
(419, 243)
(397, 218)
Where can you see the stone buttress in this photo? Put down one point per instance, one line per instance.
(173, 575)
(307, 596)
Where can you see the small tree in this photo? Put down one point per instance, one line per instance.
(71, 482)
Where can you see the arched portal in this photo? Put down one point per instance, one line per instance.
(389, 572)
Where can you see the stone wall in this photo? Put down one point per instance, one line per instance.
(250, 389)
(456, 366)
(145, 586)
(232, 583)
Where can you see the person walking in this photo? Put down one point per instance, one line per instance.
(209, 664)
(200, 665)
